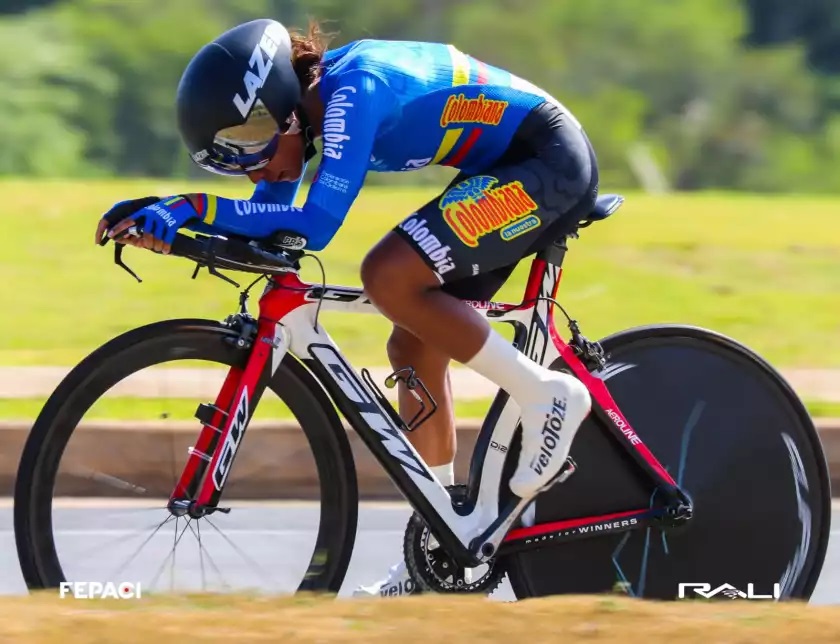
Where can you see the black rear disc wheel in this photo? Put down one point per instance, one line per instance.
(168, 342)
(734, 435)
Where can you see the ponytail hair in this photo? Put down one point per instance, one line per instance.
(307, 50)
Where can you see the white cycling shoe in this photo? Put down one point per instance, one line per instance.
(398, 584)
(547, 433)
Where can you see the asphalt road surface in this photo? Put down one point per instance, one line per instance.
(249, 548)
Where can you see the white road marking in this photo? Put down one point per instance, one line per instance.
(205, 534)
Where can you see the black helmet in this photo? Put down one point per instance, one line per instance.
(236, 96)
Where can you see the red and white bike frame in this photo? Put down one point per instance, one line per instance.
(287, 325)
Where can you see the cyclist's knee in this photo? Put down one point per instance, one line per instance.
(378, 267)
(392, 268)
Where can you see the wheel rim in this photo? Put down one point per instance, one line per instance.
(726, 432)
(327, 543)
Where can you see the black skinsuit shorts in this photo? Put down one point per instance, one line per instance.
(475, 233)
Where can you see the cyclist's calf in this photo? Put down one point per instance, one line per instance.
(435, 439)
(405, 349)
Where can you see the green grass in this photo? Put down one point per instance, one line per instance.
(765, 270)
(144, 409)
(819, 409)
(118, 408)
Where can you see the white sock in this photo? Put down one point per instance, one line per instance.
(552, 404)
(445, 473)
(500, 362)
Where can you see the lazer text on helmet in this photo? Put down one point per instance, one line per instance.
(271, 39)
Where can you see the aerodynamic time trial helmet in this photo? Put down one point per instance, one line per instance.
(236, 96)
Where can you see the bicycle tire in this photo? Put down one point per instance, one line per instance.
(165, 342)
(548, 571)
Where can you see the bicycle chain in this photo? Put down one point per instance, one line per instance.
(433, 570)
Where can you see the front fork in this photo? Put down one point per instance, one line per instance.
(224, 422)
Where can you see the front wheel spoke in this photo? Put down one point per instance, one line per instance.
(171, 554)
(197, 533)
(122, 538)
(174, 551)
(116, 483)
(143, 545)
(239, 551)
(210, 560)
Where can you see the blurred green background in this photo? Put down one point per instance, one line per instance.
(726, 94)
(703, 111)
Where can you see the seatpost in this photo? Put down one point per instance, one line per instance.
(555, 253)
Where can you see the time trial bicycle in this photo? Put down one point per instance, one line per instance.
(697, 464)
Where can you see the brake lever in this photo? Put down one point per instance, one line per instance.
(118, 251)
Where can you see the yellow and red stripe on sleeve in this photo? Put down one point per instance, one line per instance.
(205, 207)
(447, 154)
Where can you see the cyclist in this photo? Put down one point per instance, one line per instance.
(254, 101)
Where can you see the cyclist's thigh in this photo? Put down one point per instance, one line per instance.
(482, 287)
(492, 220)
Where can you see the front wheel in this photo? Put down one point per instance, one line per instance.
(734, 436)
(299, 535)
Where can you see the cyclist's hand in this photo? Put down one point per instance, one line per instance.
(117, 233)
(158, 222)
(120, 213)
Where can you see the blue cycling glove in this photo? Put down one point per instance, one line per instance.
(163, 219)
(125, 209)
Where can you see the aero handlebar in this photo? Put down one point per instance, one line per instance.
(279, 254)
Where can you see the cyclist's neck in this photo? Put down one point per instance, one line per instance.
(314, 108)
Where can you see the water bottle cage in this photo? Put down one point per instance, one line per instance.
(412, 382)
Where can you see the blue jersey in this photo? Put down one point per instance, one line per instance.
(390, 106)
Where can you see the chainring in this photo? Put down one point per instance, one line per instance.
(433, 570)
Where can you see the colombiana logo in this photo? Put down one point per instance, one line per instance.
(459, 109)
(476, 207)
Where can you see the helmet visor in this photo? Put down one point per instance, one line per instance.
(246, 147)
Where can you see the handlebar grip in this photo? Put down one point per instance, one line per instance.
(186, 246)
(228, 252)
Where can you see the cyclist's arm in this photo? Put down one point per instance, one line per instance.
(366, 101)
(281, 192)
